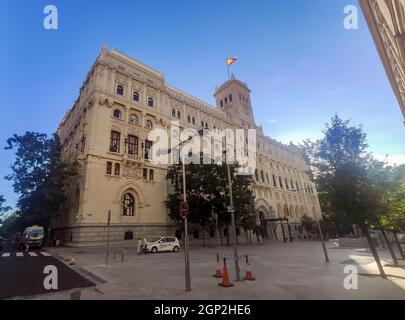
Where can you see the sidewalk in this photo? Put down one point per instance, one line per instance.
(283, 271)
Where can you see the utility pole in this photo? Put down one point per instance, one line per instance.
(186, 244)
(108, 236)
(323, 242)
(231, 209)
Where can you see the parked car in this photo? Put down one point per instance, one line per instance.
(31, 237)
(162, 244)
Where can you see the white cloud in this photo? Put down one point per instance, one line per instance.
(392, 159)
(272, 121)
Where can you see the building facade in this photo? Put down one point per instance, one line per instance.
(105, 136)
(386, 21)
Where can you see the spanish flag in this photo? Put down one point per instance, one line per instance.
(231, 61)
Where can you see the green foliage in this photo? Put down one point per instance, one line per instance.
(3, 208)
(39, 177)
(208, 193)
(393, 218)
(348, 179)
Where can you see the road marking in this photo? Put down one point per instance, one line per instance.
(46, 254)
(32, 254)
(5, 255)
(20, 254)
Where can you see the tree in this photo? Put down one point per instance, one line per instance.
(3, 208)
(208, 193)
(39, 176)
(346, 178)
(393, 219)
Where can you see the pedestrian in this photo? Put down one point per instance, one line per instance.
(144, 245)
(139, 246)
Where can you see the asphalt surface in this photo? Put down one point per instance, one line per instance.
(22, 273)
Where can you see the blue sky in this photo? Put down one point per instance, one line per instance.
(300, 63)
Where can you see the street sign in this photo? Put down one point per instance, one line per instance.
(183, 209)
(230, 209)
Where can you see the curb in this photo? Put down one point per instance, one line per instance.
(91, 274)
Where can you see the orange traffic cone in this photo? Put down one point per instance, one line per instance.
(225, 280)
(218, 273)
(249, 274)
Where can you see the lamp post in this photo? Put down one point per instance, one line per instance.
(231, 210)
(186, 242)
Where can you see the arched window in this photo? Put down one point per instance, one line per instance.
(178, 115)
(280, 182)
(120, 90)
(230, 98)
(150, 102)
(188, 119)
(128, 205)
(148, 124)
(147, 151)
(226, 100)
(117, 114)
(286, 211)
(193, 120)
(133, 118)
(135, 96)
(274, 181)
(222, 104)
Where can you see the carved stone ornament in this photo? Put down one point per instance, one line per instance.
(132, 171)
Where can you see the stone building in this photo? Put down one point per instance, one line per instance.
(105, 135)
(386, 21)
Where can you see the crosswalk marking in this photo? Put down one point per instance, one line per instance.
(25, 254)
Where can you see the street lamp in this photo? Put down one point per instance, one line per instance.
(186, 243)
(231, 210)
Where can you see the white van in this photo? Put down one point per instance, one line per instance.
(32, 237)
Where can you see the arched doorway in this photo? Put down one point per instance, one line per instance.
(263, 224)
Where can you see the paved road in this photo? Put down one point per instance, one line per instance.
(22, 273)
